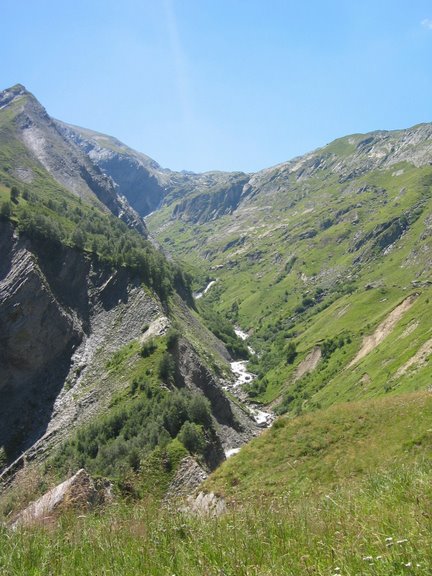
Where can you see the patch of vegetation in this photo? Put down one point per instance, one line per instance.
(223, 329)
(152, 416)
(339, 493)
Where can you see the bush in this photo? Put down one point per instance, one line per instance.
(3, 457)
(148, 348)
(166, 368)
(290, 352)
(14, 194)
(6, 210)
(173, 336)
(192, 437)
(199, 410)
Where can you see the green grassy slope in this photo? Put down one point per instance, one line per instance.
(339, 446)
(322, 260)
(344, 491)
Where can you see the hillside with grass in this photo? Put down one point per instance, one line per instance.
(340, 491)
(316, 260)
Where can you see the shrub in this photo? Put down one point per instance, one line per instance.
(148, 348)
(14, 194)
(166, 368)
(3, 457)
(6, 210)
(172, 338)
(290, 352)
(192, 437)
(199, 410)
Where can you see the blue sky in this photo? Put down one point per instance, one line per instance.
(223, 84)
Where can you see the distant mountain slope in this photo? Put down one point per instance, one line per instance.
(147, 186)
(30, 141)
(311, 256)
(318, 252)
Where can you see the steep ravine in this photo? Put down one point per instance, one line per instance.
(63, 315)
(59, 311)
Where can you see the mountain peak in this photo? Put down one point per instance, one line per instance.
(11, 94)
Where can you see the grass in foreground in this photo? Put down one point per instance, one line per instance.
(381, 526)
(346, 491)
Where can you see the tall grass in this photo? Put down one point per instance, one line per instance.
(379, 526)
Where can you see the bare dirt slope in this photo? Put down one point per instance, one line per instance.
(384, 329)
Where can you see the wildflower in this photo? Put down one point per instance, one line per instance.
(408, 565)
(368, 559)
(389, 539)
(402, 541)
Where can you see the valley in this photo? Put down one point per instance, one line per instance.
(263, 338)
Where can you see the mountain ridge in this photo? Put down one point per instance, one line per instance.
(83, 293)
(322, 261)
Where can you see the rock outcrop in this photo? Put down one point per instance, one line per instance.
(62, 315)
(80, 492)
(205, 504)
(187, 479)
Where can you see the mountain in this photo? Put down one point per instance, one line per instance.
(115, 355)
(98, 328)
(325, 263)
(31, 146)
(147, 186)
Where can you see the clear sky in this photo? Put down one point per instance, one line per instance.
(223, 84)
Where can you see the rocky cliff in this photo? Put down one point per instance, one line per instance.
(63, 316)
(147, 186)
(58, 308)
(41, 144)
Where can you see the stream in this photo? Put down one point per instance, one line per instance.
(198, 295)
(243, 376)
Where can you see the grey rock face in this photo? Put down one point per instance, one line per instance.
(223, 198)
(61, 314)
(137, 177)
(80, 492)
(205, 504)
(64, 161)
(188, 477)
(147, 186)
(37, 338)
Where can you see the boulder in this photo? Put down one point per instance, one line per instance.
(80, 492)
